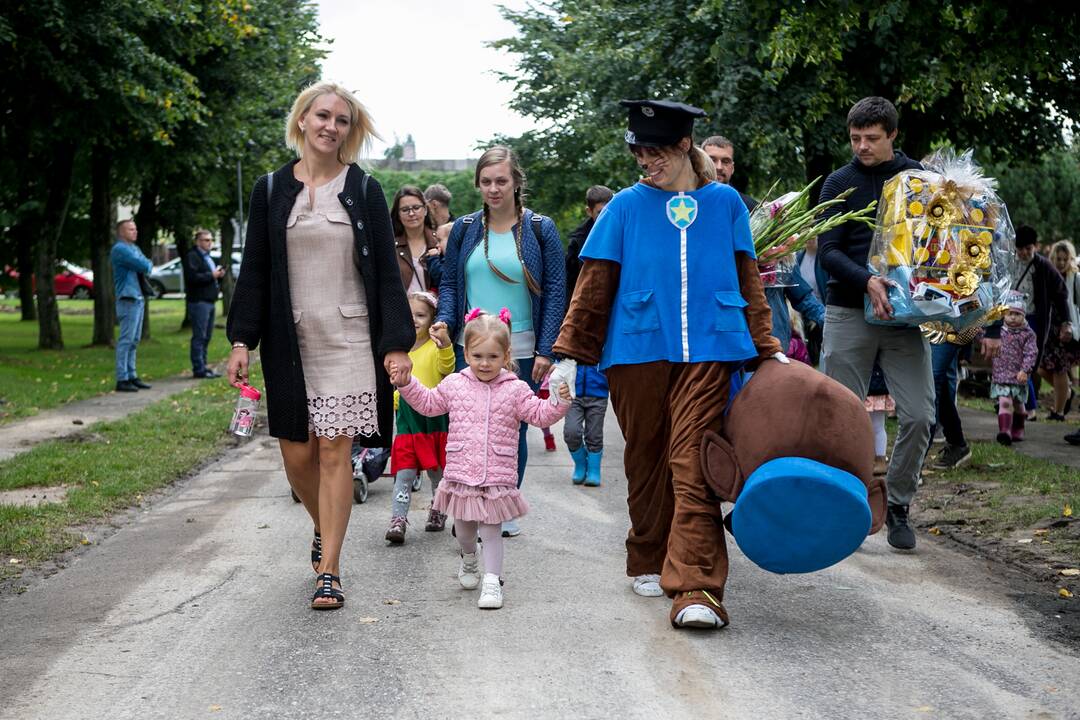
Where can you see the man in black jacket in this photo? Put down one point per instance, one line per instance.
(596, 198)
(201, 277)
(851, 343)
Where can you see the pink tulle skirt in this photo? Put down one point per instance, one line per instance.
(488, 504)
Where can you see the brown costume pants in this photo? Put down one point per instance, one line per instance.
(676, 523)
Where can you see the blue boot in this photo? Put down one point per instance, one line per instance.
(579, 456)
(592, 471)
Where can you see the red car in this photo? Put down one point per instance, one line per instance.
(71, 280)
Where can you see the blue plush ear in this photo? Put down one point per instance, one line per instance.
(796, 515)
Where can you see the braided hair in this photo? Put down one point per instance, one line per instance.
(493, 156)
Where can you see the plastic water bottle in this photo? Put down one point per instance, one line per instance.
(243, 419)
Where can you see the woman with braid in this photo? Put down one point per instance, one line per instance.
(506, 256)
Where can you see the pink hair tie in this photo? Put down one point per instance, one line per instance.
(473, 314)
(504, 315)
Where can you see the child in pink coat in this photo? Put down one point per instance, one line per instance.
(486, 402)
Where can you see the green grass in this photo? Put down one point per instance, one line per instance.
(999, 492)
(109, 467)
(32, 380)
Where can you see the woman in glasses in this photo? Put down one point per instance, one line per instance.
(419, 257)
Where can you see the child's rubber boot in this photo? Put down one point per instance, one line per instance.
(592, 470)
(580, 459)
(1018, 426)
(1004, 435)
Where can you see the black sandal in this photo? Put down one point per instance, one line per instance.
(326, 589)
(316, 551)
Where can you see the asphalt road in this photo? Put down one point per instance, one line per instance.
(198, 607)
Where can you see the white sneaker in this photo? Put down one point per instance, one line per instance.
(510, 529)
(469, 572)
(648, 586)
(490, 593)
(698, 616)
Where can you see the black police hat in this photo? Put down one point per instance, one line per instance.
(659, 123)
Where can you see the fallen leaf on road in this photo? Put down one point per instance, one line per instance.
(368, 620)
(264, 526)
(84, 541)
(934, 531)
(14, 561)
(76, 422)
(391, 601)
(1070, 572)
(1067, 512)
(924, 709)
(1041, 531)
(215, 708)
(1024, 541)
(1064, 592)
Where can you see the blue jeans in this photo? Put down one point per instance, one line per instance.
(944, 358)
(525, 368)
(202, 327)
(129, 311)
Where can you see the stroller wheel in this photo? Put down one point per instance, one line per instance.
(360, 489)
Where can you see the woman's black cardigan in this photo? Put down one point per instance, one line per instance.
(261, 311)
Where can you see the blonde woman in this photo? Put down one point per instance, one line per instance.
(319, 288)
(506, 256)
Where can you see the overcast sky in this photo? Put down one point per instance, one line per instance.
(410, 44)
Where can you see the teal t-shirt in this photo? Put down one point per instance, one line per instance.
(484, 289)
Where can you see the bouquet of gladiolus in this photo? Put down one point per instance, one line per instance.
(781, 227)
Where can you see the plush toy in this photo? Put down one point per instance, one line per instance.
(796, 457)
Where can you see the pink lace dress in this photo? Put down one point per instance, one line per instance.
(331, 316)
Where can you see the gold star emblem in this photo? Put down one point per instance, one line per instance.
(682, 211)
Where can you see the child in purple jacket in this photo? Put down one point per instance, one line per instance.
(486, 402)
(1011, 368)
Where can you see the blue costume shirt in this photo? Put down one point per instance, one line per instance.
(678, 298)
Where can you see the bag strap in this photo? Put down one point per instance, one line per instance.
(1023, 275)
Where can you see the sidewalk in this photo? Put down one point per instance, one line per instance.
(66, 420)
(1043, 438)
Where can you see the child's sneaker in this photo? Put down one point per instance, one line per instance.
(698, 616)
(490, 593)
(549, 442)
(436, 521)
(469, 572)
(395, 534)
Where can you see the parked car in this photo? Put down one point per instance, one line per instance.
(71, 280)
(169, 277)
(74, 281)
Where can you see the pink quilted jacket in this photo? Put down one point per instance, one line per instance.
(481, 446)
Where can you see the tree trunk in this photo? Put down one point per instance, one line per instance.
(183, 237)
(24, 241)
(227, 282)
(102, 225)
(148, 221)
(58, 199)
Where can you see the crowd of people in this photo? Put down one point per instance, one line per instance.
(657, 301)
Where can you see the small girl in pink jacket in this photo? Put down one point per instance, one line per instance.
(486, 402)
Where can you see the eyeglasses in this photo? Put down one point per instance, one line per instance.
(411, 210)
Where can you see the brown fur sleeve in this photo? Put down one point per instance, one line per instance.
(585, 327)
(758, 314)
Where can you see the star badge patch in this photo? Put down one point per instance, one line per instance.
(682, 211)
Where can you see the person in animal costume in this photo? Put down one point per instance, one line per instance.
(670, 303)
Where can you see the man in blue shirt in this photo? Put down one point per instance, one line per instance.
(201, 277)
(127, 263)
